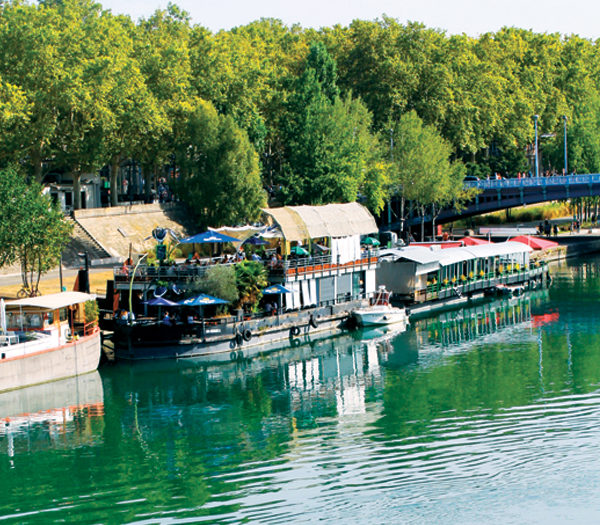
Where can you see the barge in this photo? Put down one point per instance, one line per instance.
(46, 338)
(316, 258)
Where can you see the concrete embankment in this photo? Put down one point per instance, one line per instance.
(583, 243)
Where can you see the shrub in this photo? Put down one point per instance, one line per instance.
(90, 310)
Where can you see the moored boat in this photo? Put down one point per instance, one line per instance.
(46, 338)
(381, 312)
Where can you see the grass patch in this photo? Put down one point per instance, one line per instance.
(535, 213)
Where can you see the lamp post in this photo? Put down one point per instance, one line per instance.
(131, 284)
(535, 122)
(565, 141)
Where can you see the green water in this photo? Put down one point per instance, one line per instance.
(487, 415)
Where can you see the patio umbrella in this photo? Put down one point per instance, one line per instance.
(208, 237)
(161, 301)
(370, 241)
(202, 300)
(255, 240)
(275, 289)
(298, 250)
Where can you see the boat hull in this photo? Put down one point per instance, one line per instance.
(379, 317)
(72, 359)
(226, 343)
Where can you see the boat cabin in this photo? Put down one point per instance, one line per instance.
(55, 318)
(417, 274)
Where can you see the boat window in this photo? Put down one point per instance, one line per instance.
(63, 314)
(50, 317)
(35, 320)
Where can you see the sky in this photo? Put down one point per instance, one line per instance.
(472, 17)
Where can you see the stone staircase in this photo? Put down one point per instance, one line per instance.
(81, 241)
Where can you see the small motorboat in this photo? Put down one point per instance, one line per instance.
(380, 312)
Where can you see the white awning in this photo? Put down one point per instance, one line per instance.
(298, 223)
(50, 302)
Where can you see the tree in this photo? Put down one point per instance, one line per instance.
(251, 278)
(331, 155)
(220, 175)
(422, 171)
(32, 229)
(220, 281)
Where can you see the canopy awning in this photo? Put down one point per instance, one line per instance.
(535, 242)
(298, 223)
(51, 301)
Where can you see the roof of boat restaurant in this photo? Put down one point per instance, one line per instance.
(51, 301)
(432, 259)
(298, 223)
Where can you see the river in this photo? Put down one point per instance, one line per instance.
(489, 414)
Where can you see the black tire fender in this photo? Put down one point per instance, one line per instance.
(247, 334)
(294, 330)
(239, 339)
(313, 322)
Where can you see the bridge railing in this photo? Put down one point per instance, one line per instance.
(529, 182)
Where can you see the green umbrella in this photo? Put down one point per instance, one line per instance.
(298, 250)
(371, 241)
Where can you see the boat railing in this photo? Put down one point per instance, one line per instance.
(434, 288)
(192, 271)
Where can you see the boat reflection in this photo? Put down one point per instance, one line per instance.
(56, 414)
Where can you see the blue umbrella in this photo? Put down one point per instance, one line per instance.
(208, 237)
(275, 290)
(202, 300)
(256, 241)
(161, 301)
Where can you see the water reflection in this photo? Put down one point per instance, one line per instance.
(60, 414)
(454, 408)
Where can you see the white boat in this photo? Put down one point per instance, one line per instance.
(381, 312)
(46, 338)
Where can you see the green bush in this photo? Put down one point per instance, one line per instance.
(91, 312)
(219, 281)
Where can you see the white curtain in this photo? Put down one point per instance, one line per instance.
(347, 248)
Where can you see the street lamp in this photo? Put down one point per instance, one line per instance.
(131, 286)
(565, 141)
(535, 122)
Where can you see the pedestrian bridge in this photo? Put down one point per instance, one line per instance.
(508, 193)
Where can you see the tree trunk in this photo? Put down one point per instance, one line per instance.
(114, 185)
(422, 223)
(76, 189)
(148, 173)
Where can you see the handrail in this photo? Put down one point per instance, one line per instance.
(532, 182)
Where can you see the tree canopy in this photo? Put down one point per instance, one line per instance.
(300, 112)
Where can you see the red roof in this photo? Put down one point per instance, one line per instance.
(473, 241)
(535, 242)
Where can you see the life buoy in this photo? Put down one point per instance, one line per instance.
(247, 334)
(239, 338)
(313, 322)
(294, 330)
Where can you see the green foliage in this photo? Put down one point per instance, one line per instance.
(251, 278)
(220, 281)
(32, 230)
(220, 179)
(91, 311)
